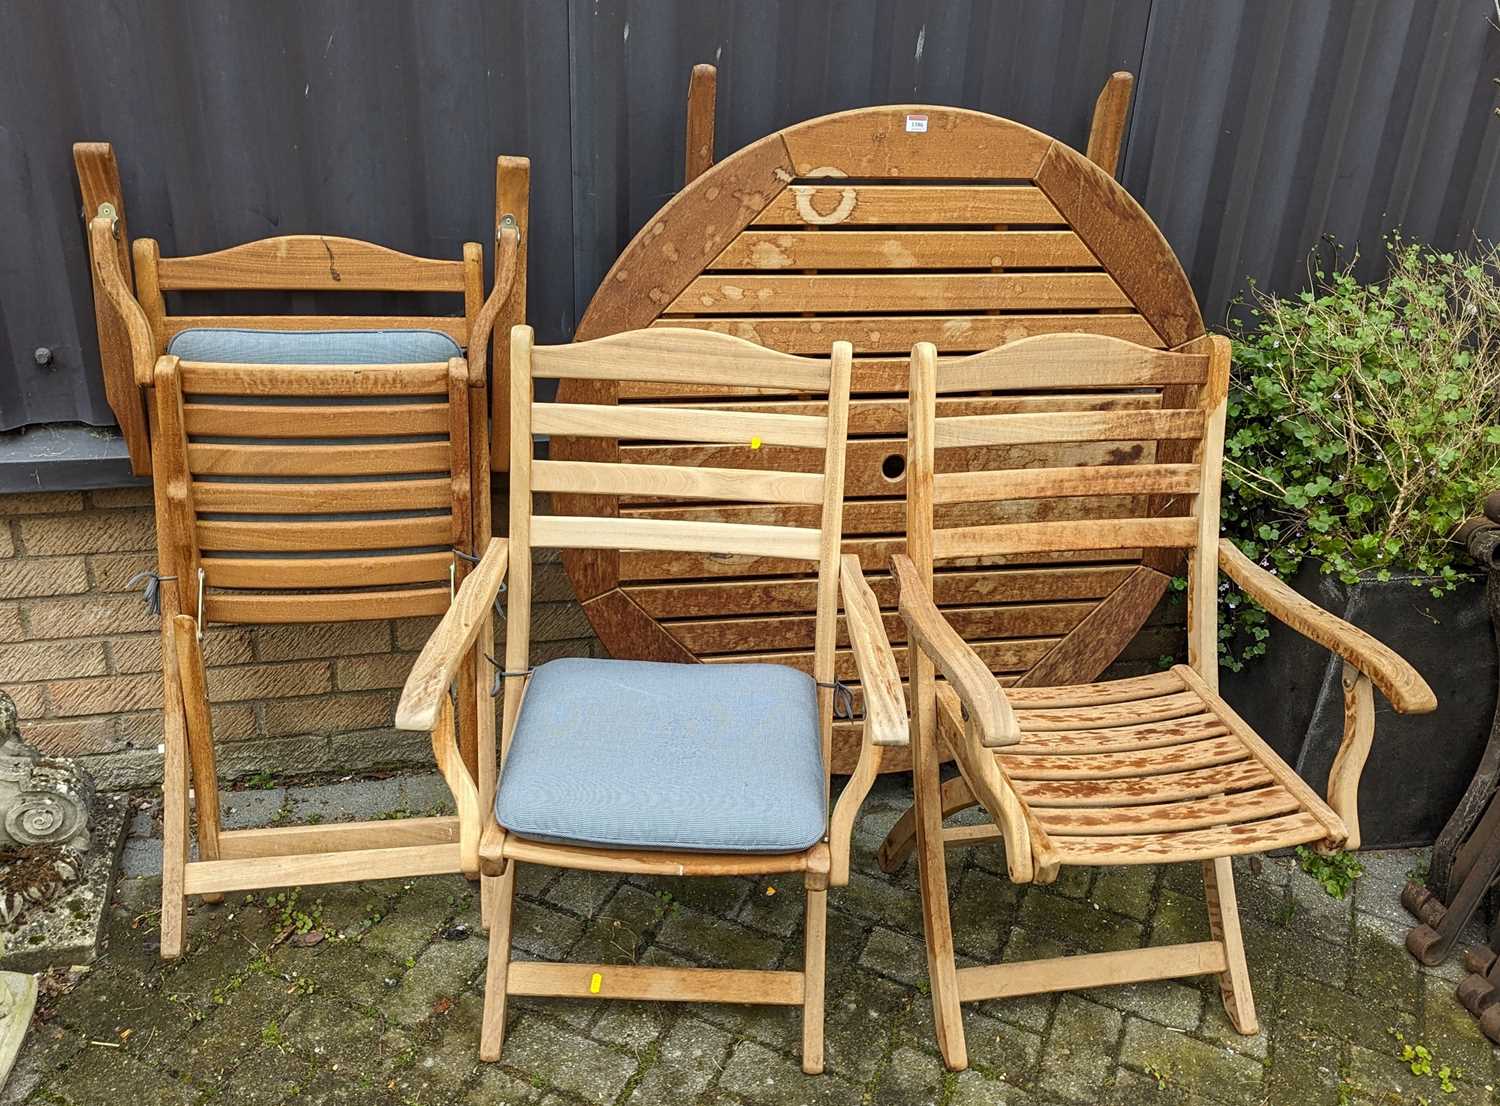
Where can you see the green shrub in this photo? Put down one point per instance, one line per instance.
(1364, 426)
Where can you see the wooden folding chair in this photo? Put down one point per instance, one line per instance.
(673, 769)
(308, 469)
(1146, 770)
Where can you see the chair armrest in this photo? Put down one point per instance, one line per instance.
(426, 688)
(507, 247)
(880, 679)
(971, 678)
(1398, 681)
(106, 264)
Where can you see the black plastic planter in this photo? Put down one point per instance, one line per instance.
(1420, 764)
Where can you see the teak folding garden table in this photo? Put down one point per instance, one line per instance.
(881, 226)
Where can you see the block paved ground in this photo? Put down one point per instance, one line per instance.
(385, 1007)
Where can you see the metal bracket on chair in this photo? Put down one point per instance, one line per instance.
(508, 222)
(107, 211)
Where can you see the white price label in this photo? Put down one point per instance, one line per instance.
(916, 124)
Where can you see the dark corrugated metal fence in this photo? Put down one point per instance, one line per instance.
(1260, 126)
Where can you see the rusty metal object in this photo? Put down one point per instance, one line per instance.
(1465, 869)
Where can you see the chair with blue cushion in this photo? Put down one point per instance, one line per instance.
(659, 768)
(309, 469)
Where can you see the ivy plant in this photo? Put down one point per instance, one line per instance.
(1363, 426)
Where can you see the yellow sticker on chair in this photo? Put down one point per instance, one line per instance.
(595, 982)
(755, 442)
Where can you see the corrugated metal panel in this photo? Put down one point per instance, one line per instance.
(234, 121)
(782, 61)
(1262, 126)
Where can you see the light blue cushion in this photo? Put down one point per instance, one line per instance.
(314, 347)
(636, 754)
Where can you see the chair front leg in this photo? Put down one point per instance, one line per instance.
(1354, 750)
(814, 972)
(497, 970)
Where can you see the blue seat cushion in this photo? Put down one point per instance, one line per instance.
(314, 347)
(636, 754)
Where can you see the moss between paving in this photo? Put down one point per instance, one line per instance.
(385, 1008)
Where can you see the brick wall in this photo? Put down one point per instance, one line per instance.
(80, 656)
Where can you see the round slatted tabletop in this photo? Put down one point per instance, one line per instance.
(884, 227)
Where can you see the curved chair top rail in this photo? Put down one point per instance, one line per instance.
(314, 262)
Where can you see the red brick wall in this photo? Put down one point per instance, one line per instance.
(79, 654)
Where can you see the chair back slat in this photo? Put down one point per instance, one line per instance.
(673, 424)
(219, 379)
(788, 465)
(662, 483)
(1051, 484)
(247, 420)
(1070, 426)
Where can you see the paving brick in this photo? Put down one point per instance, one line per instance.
(440, 973)
(970, 1088)
(1081, 925)
(102, 1075)
(1000, 1050)
(27, 577)
(1128, 890)
(1381, 969)
(1337, 1013)
(88, 532)
(1173, 1003)
(577, 1065)
(7, 540)
(1191, 1064)
(691, 1054)
(1080, 1054)
(40, 503)
(1306, 1066)
(1216, 1026)
(901, 956)
(716, 941)
(755, 1073)
(911, 1079)
(1382, 1076)
(29, 662)
(981, 912)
